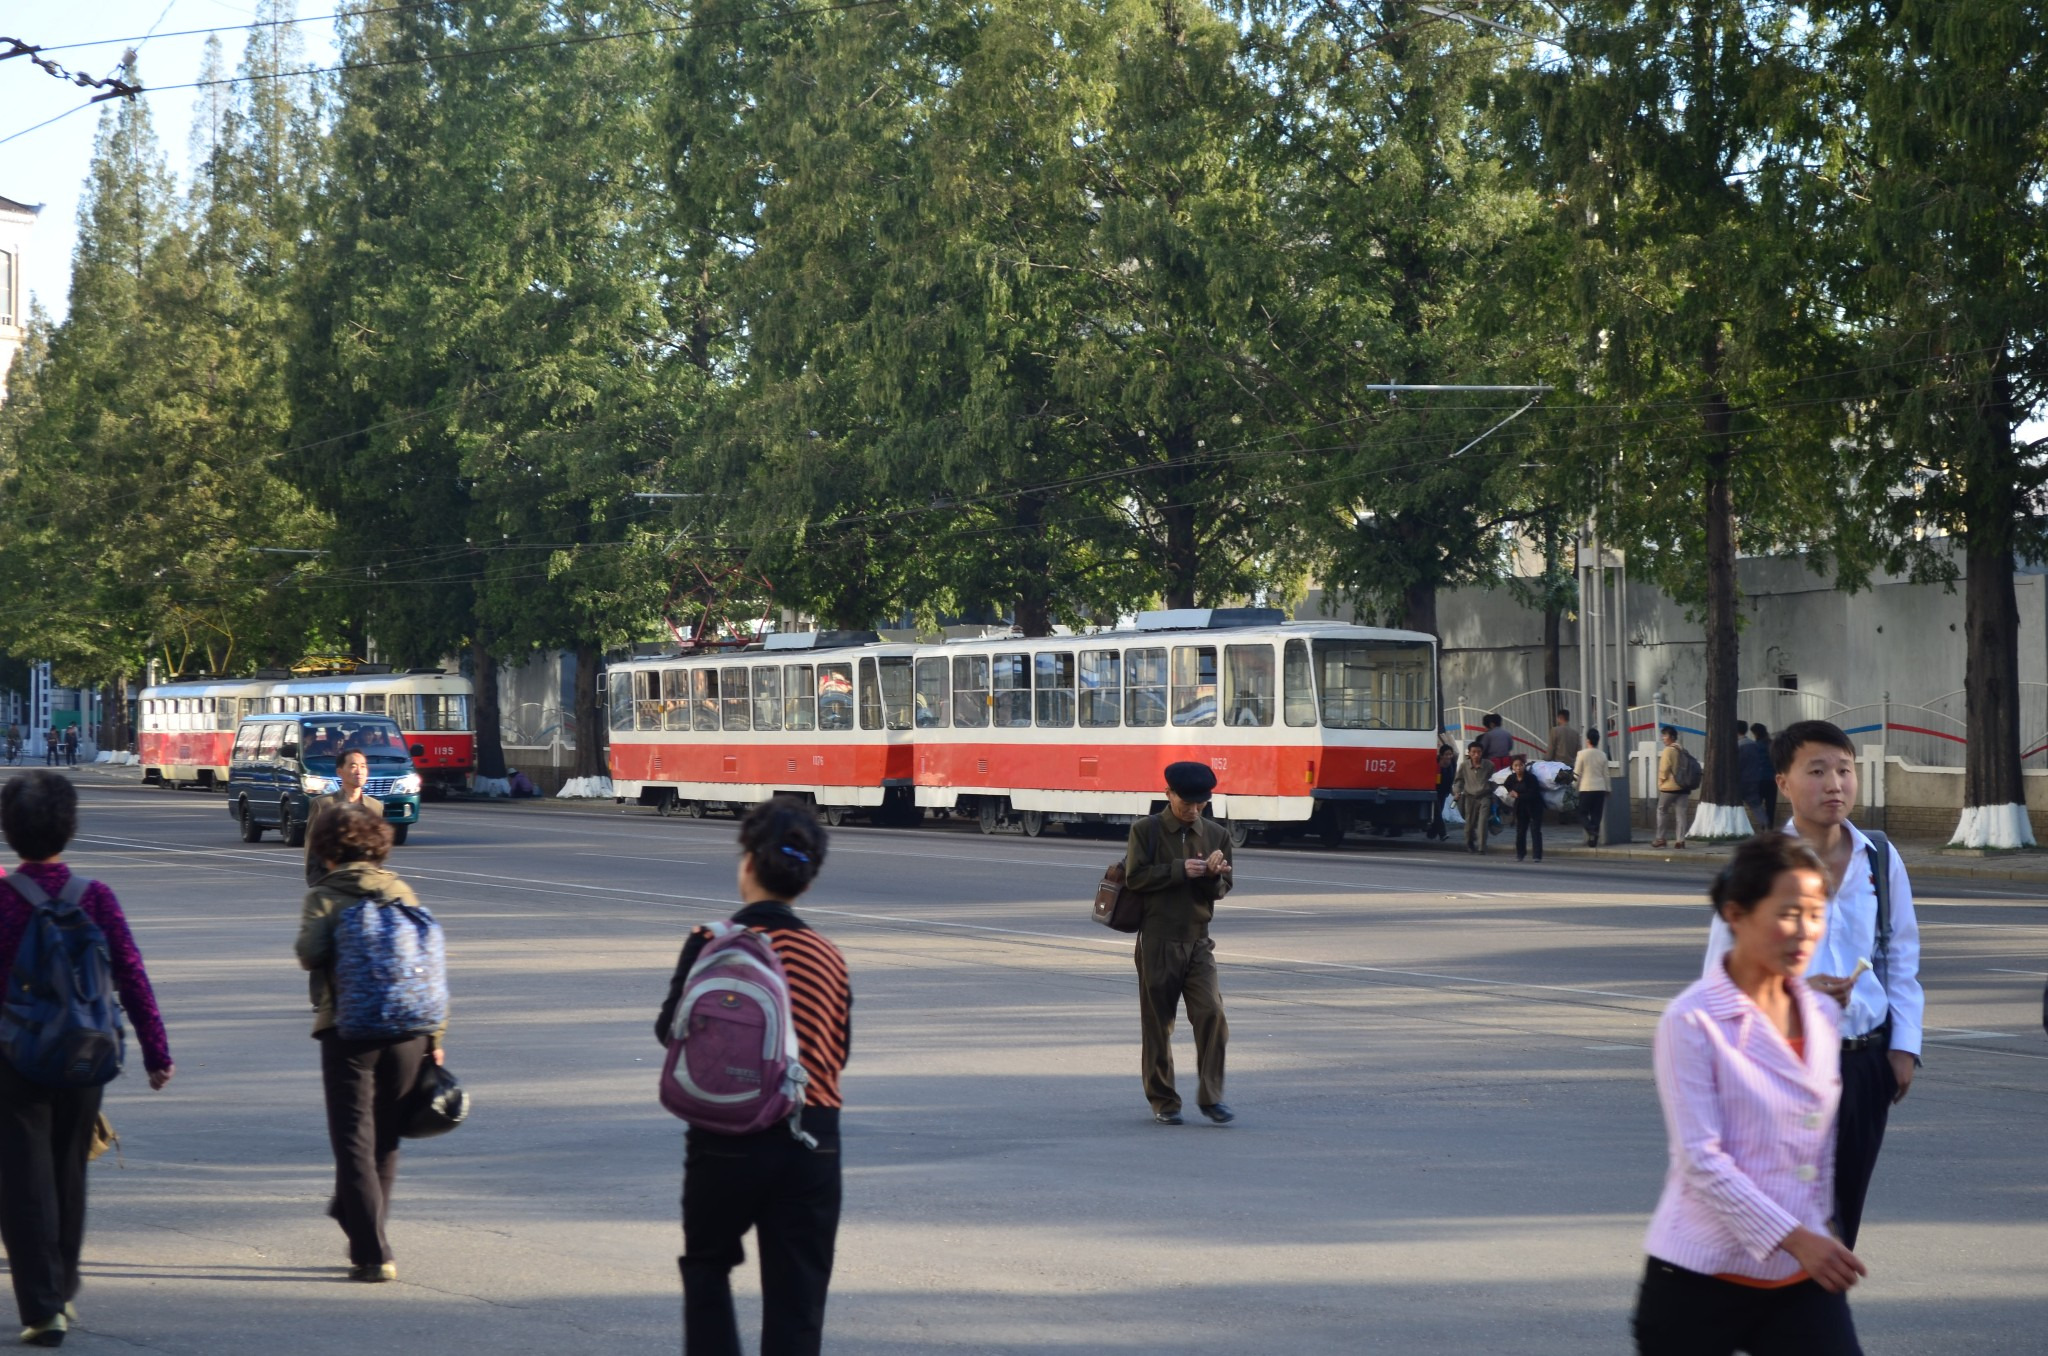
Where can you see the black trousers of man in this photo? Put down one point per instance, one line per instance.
(366, 1083)
(1683, 1313)
(788, 1194)
(45, 1134)
(1170, 972)
(1868, 1086)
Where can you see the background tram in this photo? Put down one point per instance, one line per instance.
(1308, 725)
(821, 714)
(185, 731)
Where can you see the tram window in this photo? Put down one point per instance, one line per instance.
(373, 703)
(732, 697)
(933, 697)
(767, 698)
(970, 691)
(1010, 686)
(622, 699)
(223, 713)
(896, 695)
(1052, 688)
(1376, 684)
(799, 697)
(870, 696)
(1248, 684)
(1102, 687)
(1145, 682)
(646, 699)
(835, 696)
(1300, 684)
(1194, 685)
(442, 713)
(704, 699)
(675, 698)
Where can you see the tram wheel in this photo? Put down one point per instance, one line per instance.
(692, 809)
(1240, 832)
(833, 815)
(665, 804)
(1033, 822)
(991, 816)
(1331, 831)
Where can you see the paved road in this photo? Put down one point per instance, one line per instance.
(1448, 1141)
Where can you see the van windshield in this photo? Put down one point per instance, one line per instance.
(326, 738)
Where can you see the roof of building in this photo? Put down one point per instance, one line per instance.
(10, 205)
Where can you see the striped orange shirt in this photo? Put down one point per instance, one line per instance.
(821, 999)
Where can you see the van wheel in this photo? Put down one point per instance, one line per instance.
(294, 834)
(398, 832)
(252, 832)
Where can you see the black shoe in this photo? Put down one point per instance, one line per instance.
(1220, 1113)
(1523, 857)
(1167, 1118)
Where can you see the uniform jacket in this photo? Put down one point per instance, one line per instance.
(1565, 743)
(1751, 1128)
(334, 892)
(1474, 782)
(1176, 908)
(315, 870)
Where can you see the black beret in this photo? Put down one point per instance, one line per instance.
(1190, 781)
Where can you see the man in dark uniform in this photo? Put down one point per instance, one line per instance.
(1178, 864)
(352, 770)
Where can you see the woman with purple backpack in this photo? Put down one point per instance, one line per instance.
(775, 1180)
(46, 1131)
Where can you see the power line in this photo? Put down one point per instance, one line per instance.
(251, 26)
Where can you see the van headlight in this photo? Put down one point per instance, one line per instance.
(408, 785)
(320, 786)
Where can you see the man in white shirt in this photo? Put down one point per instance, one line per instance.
(1883, 1008)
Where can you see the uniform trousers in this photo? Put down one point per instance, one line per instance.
(366, 1084)
(1685, 1313)
(45, 1134)
(789, 1194)
(1170, 973)
(1868, 1086)
(1477, 811)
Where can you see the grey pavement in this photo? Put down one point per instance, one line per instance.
(1448, 1139)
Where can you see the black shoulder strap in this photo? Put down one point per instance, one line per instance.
(1880, 854)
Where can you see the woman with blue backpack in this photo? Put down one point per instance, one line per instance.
(757, 1025)
(380, 996)
(65, 951)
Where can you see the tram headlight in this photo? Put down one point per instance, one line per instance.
(320, 786)
(408, 785)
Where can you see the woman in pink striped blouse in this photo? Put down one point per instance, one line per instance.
(1741, 1255)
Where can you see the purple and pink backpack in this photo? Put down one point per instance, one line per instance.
(733, 1066)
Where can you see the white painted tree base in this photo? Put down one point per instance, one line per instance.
(1993, 826)
(123, 759)
(491, 786)
(585, 788)
(1719, 821)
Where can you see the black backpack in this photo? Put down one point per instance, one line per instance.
(1686, 770)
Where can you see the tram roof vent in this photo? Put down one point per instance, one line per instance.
(816, 640)
(1209, 618)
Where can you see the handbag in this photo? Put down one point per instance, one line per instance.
(437, 1104)
(1117, 907)
(103, 1139)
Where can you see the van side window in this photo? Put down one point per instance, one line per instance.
(246, 740)
(273, 739)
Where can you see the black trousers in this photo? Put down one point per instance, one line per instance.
(366, 1082)
(789, 1195)
(1683, 1313)
(1593, 809)
(1529, 828)
(44, 1136)
(1868, 1086)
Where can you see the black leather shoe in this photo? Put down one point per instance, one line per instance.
(1167, 1118)
(1220, 1113)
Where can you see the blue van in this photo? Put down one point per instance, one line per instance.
(281, 761)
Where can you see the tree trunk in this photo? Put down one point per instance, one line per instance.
(592, 723)
(1719, 784)
(1034, 595)
(490, 729)
(1182, 558)
(1553, 614)
(113, 732)
(1418, 607)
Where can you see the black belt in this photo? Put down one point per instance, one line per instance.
(1882, 1035)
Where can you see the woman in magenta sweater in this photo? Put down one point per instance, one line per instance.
(45, 1132)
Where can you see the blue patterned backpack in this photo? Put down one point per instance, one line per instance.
(390, 971)
(60, 1024)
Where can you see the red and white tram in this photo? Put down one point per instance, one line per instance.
(1309, 725)
(821, 714)
(185, 730)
